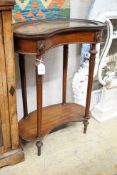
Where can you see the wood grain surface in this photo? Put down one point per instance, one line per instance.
(52, 117)
(10, 152)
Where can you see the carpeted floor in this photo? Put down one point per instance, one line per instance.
(70, 152)
(110, 171)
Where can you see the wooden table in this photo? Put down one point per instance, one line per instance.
(36, 38)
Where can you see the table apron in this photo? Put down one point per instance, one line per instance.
(30, 46)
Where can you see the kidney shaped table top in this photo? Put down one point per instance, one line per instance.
(59, 31)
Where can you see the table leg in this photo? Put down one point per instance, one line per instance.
(39, 112)
(23, 83)
(90, 83)
(65, 68)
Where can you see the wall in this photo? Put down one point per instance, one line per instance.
(101, 7)
(52, 86)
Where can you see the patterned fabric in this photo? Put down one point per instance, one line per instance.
(28, 10)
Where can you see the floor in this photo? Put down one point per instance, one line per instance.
(70, 152)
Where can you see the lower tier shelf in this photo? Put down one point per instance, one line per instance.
(52, 117)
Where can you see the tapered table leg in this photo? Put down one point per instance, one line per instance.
(65, 68)
(39, 112)
(23, 83)
(90, 83)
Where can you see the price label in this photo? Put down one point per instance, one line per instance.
(41, 69)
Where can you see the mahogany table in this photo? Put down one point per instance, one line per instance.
(36, 38)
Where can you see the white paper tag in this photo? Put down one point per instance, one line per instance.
(41, 69)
